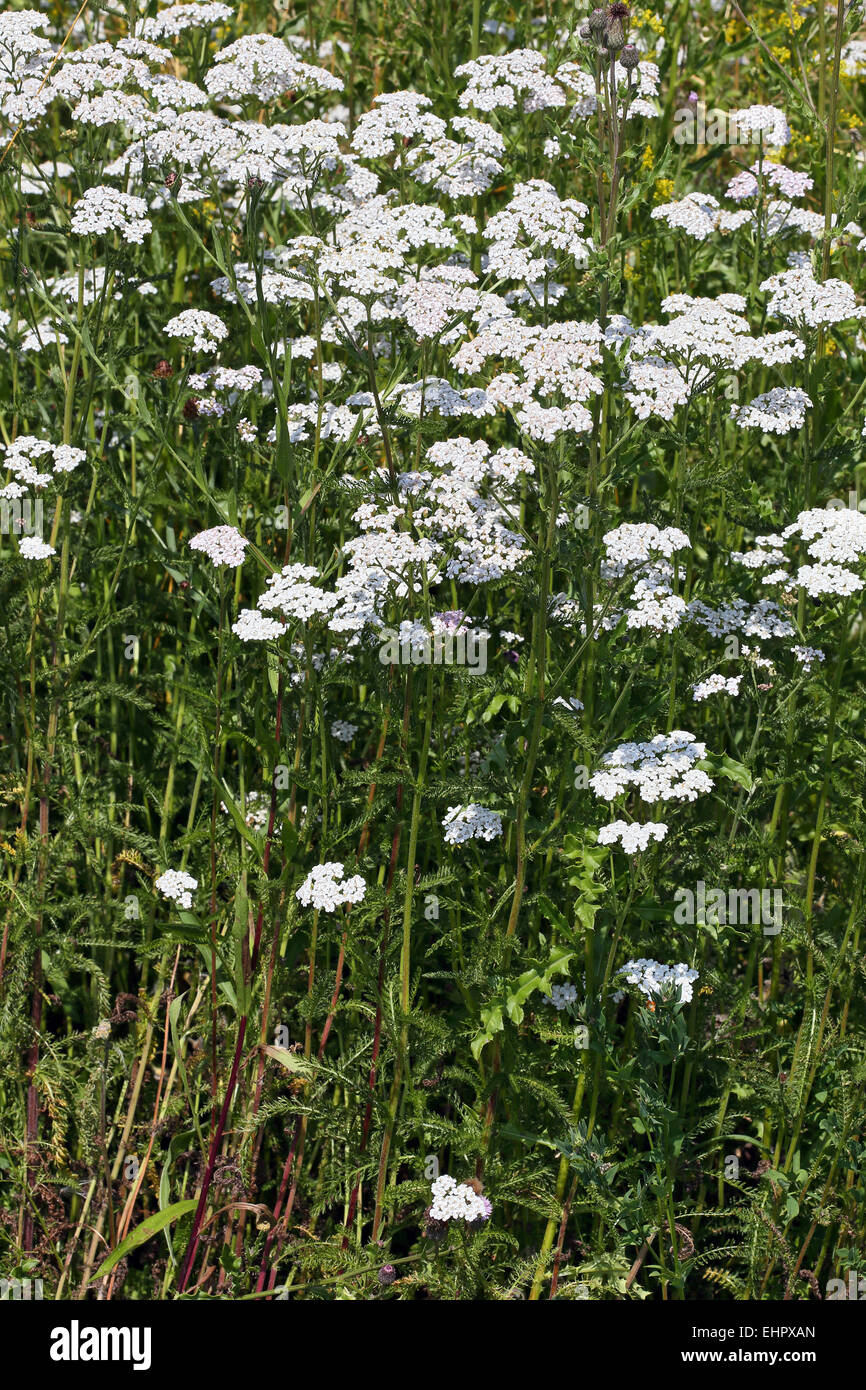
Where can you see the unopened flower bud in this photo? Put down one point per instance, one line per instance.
(615, 29)
(629, 57)
(585, 31)
(387, 1275)
(596, 24)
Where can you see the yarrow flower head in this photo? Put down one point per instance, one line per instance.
(193, 14)
(663, 769)
(203, 330)
(780, 411)
(715, 685)
(632, 836)
(223, 545)
(32, 548)
(471, 822)
(667, 982)
(633, 545)
(807, 656)
(103, 210)
(253, 626)
(453, 1201)
(264, 66)
(27, 456)
(177, 886)
(326, 889)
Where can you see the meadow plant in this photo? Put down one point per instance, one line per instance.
(334, 335)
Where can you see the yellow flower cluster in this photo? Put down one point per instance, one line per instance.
(735, 30)
(646, 19)
(793, 21)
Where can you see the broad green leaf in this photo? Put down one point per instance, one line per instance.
(142, 1233)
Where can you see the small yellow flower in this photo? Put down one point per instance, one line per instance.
(648, 160)
(793, 21)
(664, 190)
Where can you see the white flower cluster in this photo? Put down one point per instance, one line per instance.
(763, 620)
(821, 580)
(767, 121)
(697, 214)
(291, 593)
(253, 626)
(653, 978)
(263, 66)
(32, 548)
(642, 551)
(103, 210)
(229, 379)
(343, 731)
(636, 544)
(395, 118)
(780, 411)
(835, 537)
(835, 534)
(26, 458)
(797, 297)
(790, 182)
(473, 822)
(548, 362)
(462, 168)
(325, 889)
(807, 656)
(453, 1201)
(667, 363)
(192, 14)
(562, 995)
(714, 685)
(495, 82)
(663, 769)
(223, 545)
(632, 836)
(534, 223)
(203, 330)
(177, 885)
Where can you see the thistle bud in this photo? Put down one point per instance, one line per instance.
(615, 28)
(596, 23)
(387, 1275)
(629, 57)
(585, 32)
